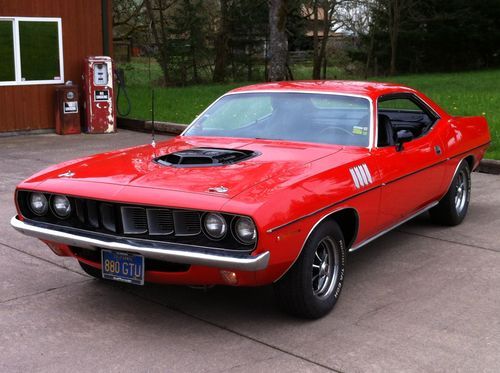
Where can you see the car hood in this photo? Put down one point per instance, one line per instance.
(136, 167)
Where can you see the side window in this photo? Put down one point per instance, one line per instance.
(402, 112)
(399, 104)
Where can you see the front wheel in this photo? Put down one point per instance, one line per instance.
(312, 286)
(453, 207)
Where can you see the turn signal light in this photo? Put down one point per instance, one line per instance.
(229, 277)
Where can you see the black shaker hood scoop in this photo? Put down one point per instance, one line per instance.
(205, 157)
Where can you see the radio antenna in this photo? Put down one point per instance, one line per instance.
(153, 142)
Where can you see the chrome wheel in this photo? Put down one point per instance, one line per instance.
(313, 284)
(462, 188)
(325, 268)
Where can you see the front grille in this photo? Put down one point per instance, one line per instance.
(134, 220)
(108, 218)
(143, 222)
(187, 223)
(160, 221)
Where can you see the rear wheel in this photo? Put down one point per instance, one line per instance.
(312, 286)
(94, 272)
(453, 207)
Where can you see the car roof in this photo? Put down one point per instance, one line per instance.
(370, 89)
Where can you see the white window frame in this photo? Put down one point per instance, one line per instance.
(17, 51)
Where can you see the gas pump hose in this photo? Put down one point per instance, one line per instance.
(120, 78)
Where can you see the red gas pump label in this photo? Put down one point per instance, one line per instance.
(70, 107)
(101, 95)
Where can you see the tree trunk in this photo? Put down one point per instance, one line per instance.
(319, 60)
(221, 45)
(327, 22)
(160, 41)
(324, 67)
(369, 55)
(192, 42)
(394, 22)
(278, 40)
(316, 58)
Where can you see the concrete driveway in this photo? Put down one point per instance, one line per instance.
(422, 298)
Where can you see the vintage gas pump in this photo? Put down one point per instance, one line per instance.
(100, 115)
(66, 109)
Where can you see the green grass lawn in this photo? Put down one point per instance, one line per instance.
(467, 93)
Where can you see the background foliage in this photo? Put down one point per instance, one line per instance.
(450, 50)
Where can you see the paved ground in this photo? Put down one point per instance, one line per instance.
(422, 298)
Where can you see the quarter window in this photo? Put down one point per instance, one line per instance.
(399, 104)
(31, 51)
(402, 112)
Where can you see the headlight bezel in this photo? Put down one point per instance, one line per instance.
(53, 207)
(221, 218)
(33, 210)
(236, 234)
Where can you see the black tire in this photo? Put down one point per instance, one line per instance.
(453, 207)
(301, 291)
(94, 272)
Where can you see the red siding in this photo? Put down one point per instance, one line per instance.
(31, 107)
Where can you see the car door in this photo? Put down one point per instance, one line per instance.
(412, 173)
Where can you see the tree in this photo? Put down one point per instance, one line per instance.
(329, 22)
(278, 40)
(187, 42)
(396, 17)
(157, 17)
(394, 9)
(249, 32)
(128, 19)
(222, 43)
(357, 18)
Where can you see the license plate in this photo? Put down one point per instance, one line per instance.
(122, 267)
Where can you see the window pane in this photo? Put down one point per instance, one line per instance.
(7, 73)
(399, 104)
(327, 119)
(39, 43)
(239, 113)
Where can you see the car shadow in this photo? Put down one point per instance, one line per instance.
(226, 305)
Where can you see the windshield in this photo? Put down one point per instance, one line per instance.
(309, 117)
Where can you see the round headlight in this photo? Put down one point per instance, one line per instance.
(61, 206)
(38, 203)
(215, 225)
(245, 230)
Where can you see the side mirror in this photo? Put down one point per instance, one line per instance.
(403, 136)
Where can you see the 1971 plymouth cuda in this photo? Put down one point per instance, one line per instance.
(272, 184)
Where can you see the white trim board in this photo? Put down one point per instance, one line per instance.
(17, 51)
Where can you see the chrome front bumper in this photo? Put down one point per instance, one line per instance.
(166, 251)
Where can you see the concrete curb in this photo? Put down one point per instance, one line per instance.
(487, 166)
(167, 127)
(145, 126)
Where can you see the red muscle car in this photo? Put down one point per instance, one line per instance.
(272, 184)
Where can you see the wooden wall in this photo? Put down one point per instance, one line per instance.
(32, 107)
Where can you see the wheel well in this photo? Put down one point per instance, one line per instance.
(348, 221)
(470, 161)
